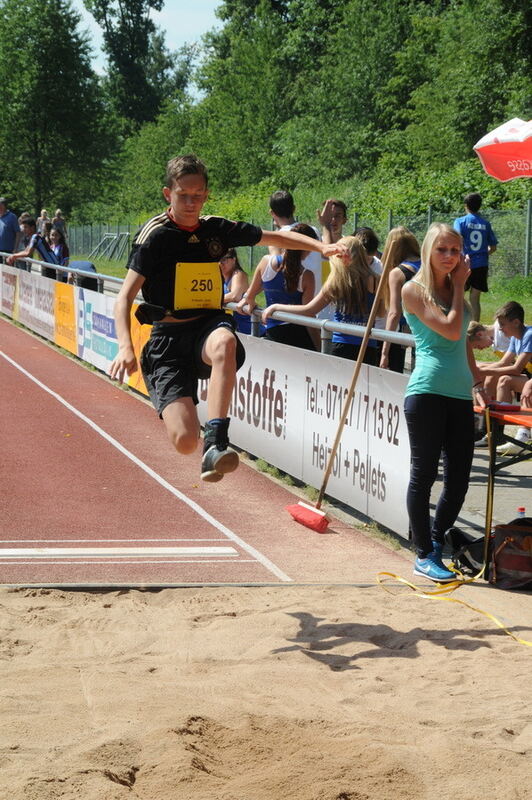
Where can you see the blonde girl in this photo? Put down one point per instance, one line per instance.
(438, 404)
(351, 288)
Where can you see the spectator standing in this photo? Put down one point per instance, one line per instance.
(36, 243)
(46, 231)
(401, 256)
(59, 222)
(370, 243)
(438, 406)
(23, 239)
(332, 218)
(9, 228)
(236, 284)
(60, 249)
(350, 289)
(284, 279)
(41, 220)
(282, 210)
(479, 243)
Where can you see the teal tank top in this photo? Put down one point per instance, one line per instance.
(441, 364)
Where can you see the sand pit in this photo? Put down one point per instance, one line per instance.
(282, 693)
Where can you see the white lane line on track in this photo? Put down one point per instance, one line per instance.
(252, 551)
(46, 563)
(93, 541)
(114, 552)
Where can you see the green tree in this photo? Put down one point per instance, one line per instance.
(142, 70)
(479, 77)
(235, 123)
(57, 136)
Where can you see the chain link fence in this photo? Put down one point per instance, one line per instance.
(512, 228)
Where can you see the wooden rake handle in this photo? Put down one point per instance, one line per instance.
(354, 379)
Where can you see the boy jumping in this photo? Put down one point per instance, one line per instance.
(175, 261)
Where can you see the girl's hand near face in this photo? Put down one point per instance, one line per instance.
(461, 272)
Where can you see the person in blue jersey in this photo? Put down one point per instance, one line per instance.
(236, 284)
(284, 279)
(401, 257)
(350, 288)
(37, 248)
(479, 243)
(175, 261)
(438, 399)
(9, 228)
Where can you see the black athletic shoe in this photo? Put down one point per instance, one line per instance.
(216, 463)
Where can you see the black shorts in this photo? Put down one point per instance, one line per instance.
(171, 360)
(478, 279)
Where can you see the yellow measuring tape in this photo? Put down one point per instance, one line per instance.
(383, 577)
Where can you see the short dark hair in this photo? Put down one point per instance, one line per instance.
(185, 165)
(368, 238)
(282, 203)
(340, 204)
(511, 310)
(473, 201)
(29, 221)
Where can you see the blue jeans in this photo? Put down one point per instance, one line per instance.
(437, 425)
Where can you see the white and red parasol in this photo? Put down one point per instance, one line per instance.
(506, 152)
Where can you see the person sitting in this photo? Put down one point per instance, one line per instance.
(479, 335)
(402, 257)
(350, 288)
(236, 284)
(283, 278)
(509, 375)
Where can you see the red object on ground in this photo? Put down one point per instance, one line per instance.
(506, 152)
(311, 517)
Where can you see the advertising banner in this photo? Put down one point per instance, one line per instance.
(36, 303)
(65, 317)
(96, 332)
(9, 291)
(286, 408)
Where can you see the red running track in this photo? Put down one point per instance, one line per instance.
(93, 494)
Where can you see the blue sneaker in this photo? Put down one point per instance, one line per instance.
(433, 568)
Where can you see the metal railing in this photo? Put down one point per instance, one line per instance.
(326, 326)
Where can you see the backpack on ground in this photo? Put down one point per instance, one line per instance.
(467, 551)
(511, 555)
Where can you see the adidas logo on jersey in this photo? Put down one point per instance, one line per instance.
(193, 239)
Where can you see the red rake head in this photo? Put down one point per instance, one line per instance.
(310, 517)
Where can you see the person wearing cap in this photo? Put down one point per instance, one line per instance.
(9, 227)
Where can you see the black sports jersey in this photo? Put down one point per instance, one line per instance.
(181, 266)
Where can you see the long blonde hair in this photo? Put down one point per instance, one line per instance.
(400, 243)
(347, 285)
(425, 275)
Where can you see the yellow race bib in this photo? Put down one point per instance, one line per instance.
(197, 286)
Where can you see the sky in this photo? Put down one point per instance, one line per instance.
(181, 20)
